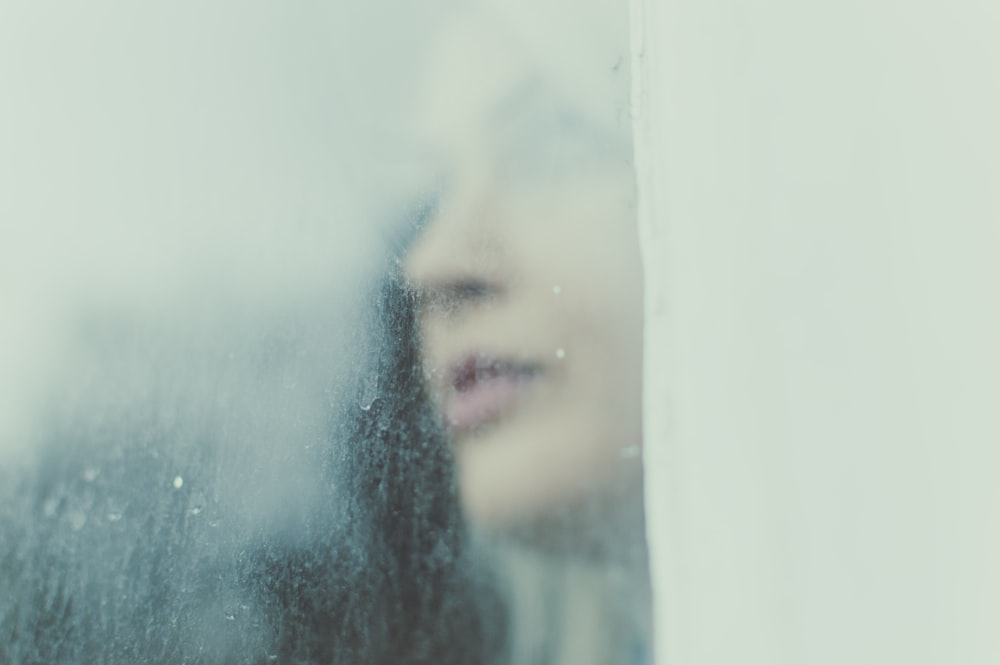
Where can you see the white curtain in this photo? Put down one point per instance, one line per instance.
(820, 215)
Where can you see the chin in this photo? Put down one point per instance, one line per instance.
(558, 490)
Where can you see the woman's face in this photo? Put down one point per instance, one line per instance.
(529, 278)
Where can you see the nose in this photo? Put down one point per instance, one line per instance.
(459, 257)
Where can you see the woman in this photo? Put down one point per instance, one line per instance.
(529, 281)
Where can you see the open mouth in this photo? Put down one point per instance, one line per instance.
(482, 388)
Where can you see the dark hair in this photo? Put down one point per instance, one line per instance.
(376, 566)
(414, 593)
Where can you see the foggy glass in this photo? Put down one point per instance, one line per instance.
(322, 334)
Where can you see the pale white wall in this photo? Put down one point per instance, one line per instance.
(820, 214)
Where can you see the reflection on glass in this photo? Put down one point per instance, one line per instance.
(444, 469)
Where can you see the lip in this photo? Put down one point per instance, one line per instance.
(480, 388)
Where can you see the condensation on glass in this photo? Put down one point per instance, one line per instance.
(328, 336)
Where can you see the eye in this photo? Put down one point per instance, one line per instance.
(450, 297)
(471, 288)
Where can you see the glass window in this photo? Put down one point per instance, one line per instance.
(330, 322)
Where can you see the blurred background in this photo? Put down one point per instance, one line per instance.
(192, 171)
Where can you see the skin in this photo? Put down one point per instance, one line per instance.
(531, 255)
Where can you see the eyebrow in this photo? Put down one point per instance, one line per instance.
(534, 108)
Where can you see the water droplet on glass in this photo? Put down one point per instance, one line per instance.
(369, 392)
(560, 353)
(178, 483)
(195, 511)
(77, 520)
(114, 517)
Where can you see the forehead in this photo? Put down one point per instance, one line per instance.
(472, 70)
(485, 68)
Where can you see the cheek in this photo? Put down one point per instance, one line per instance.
(594, 417)
(606, 329)
(585, 239)
(592, 254)
(599, 308)
(605, 381)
